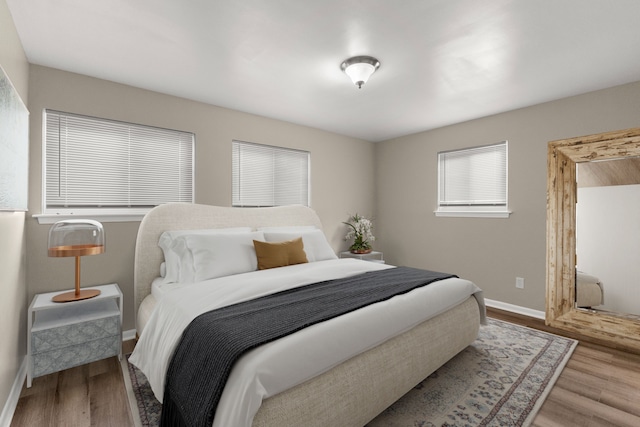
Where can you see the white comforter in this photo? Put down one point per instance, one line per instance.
(282, 364)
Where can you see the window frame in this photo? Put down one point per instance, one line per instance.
(50, 215)
(272, 149)
(471, 210)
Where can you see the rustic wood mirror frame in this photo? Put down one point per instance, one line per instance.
(619, 331)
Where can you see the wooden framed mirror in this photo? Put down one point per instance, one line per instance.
(618, 331)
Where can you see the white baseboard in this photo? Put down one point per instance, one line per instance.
(514, 308)
(14, 395)
(129, 335)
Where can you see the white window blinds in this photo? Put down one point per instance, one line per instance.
(94, 163)
(264, 175)
(473, 179)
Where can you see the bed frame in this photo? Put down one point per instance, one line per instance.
(350, 394)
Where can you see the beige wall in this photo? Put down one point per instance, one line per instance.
(342, 174)
(13, 317)
(490, 252)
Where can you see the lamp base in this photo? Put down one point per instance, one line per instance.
(72, 296)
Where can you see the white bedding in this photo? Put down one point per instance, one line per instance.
(159, 287)
(280, 365)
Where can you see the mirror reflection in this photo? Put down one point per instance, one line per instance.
(608, 235)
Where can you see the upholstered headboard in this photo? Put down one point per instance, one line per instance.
(184, 216)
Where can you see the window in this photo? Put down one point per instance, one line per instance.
(473, 182)
(269, 176)
(96, 167)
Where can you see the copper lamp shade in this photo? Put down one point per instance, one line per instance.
(76, 238)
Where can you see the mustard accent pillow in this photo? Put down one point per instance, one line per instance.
(279, 254)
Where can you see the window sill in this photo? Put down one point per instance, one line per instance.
(473, 214)
(101, 217)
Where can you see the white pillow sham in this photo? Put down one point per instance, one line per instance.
(196, 255)
(315, 242)
(218, 255)
(288, 229)
(178, 259)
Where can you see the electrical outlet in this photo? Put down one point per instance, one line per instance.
(519, 282)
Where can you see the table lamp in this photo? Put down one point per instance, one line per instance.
(76, 237)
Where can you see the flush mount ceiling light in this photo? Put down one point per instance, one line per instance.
(360, 68)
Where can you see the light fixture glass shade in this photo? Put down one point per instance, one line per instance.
(360, 68)
(359, 73)
(76, 238)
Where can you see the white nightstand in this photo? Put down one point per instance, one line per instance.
(373, 256)
(64, 335)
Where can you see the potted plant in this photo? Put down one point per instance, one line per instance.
(361, 233)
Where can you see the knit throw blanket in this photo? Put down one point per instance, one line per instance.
(215, 340)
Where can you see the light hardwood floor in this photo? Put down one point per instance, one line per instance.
(599, 386)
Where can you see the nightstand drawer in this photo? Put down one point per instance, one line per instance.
(75, 333)
(75, 355)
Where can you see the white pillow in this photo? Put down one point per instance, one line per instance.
(217, 255)
(177, 256)
(288, 229)
(173, 250)
(315, 242)
(168, 237)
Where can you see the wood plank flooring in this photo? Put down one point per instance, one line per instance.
(599, 386)
(88, 395)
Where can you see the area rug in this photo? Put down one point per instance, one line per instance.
(501, 379)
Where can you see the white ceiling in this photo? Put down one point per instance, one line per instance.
(443, 61)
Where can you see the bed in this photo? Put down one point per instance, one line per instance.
(589, 290)
(356, 365)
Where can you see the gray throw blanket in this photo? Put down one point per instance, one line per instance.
(214, 341)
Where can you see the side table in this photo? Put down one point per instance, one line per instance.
(64, 335)
(373, 256)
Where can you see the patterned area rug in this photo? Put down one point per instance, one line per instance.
(501, 379)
